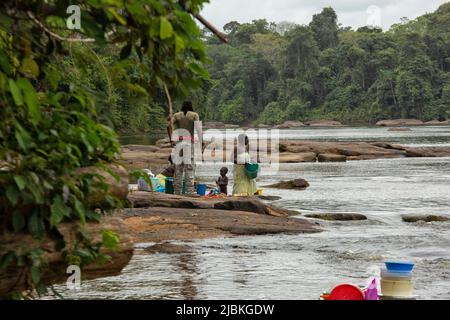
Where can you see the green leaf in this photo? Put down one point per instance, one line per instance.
(22, 136)
(37, 192)
(110, 239)
(20, 182)
(166, 29)
(58, 210)
(80, 211)
(198, 69)
(5, 21)
(7, 259)
(12, 194)
(31, 99)
(179, 44)
(35, 274)
(30, 68)
(15, 92)
(35, 225)
(18, 221)
(4, 63)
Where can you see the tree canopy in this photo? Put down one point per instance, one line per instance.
(272, 73)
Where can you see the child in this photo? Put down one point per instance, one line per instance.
(222, 181)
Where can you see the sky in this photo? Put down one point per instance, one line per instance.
(354, 13)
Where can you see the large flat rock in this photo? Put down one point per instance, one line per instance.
(139, 199)
(399, 122)
(157, 224)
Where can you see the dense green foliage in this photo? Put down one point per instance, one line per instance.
(274, 73)
(62, 91)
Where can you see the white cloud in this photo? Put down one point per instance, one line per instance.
(350, 12)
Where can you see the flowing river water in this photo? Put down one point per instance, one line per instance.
(303, 266)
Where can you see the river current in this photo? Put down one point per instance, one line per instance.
(303, 266)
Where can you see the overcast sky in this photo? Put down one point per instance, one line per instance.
(355, 13)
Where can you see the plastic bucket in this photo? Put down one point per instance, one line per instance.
(251, 169)
(346, 292)
(169, 186)
(201, 189)
(396, 288)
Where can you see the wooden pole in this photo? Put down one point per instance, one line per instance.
(169, 119)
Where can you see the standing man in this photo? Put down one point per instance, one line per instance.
(185, 124)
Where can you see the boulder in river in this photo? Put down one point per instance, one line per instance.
(297, 184)
(290, 124)
(324, 123)
(399, 123)
(337, 216)
(437, 123)
(328, 157)
(410, 218)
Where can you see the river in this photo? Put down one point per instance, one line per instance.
(303, 266)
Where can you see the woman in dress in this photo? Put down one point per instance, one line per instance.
(243, 185)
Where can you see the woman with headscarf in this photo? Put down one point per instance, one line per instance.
(243, 185)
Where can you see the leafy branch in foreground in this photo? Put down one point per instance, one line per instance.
(51, 128)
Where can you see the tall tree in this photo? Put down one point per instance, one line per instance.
(325, 28)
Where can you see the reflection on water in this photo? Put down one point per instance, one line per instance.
(302, 266)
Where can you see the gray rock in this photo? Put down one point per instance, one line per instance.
(299, 184)
(328, 157)
(337, 216)
(410, 218)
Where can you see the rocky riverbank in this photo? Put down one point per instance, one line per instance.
(410, 122)
(292, 151)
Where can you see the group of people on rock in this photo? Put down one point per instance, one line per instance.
(187, 131)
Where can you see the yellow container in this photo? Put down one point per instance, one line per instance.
(260, 191)
(396, 287)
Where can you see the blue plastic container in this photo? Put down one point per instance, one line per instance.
(396, 266)
(201, 189)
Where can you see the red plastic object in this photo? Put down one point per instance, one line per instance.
(346, 292)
